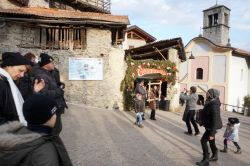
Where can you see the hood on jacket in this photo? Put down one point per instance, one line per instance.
(14, 144)
(215, 101)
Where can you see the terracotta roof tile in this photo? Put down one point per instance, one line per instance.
(65, 14)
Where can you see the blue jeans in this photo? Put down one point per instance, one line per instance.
(138, 118)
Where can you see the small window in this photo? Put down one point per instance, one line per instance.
(226, 18)
(216, 19)
(199, 74)
(129, 35)
(63, 38)
(210, 20)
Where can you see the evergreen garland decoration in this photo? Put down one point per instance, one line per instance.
(127, 85)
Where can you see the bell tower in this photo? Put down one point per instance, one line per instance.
(216, 24)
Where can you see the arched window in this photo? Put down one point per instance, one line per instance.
(199, 73)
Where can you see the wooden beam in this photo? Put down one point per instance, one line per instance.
(151, 54)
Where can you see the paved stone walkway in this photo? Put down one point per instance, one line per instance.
(100, 137)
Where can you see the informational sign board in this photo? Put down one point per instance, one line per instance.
(85, 68)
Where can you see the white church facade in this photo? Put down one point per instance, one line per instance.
(217, 64)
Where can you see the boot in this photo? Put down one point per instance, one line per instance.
(224, 150)
(214, 157)
(204, 161)
(238, 151)
(152, 115)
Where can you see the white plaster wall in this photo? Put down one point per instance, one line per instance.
(173, 91)
(238, 83)
(135, 43)
(183, 71)
(219, 69)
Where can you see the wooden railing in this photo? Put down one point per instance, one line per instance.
(103, 4)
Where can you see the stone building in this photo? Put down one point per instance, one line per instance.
(216, 24)
(74, 33)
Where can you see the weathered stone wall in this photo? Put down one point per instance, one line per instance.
(6, 4)
(101, 94)
(38, 3)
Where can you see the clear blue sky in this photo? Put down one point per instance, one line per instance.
(166, 19)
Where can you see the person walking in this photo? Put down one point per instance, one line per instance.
(33, 145)
(232, 134)
(191, 104)
(13, 67)
(211, 120)
(139, 105)
(141, 90)
(153, 96)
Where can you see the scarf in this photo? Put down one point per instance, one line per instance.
(18, 99)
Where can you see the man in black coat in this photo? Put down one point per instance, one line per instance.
(51, 89)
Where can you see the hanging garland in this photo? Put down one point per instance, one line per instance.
(127, 85)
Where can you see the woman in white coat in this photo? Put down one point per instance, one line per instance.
(232, 134)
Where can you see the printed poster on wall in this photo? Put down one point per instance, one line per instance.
(85, 68)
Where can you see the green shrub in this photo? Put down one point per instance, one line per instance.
(247, 103)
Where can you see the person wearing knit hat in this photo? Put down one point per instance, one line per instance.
(45, 59)
(34, 144)
(13, 67)
(38, 109)
(44, 71)
(13, 59)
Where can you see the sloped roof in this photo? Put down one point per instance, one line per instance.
(234, 49)
(149, 51)
(216, 6)
(36, 12)
(141, 32)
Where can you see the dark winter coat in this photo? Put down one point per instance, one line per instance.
(51, 88)
(8, 110)
(211, 116)
(21, 147)
(25, 85)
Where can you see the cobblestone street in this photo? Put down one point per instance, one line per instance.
(100, 137)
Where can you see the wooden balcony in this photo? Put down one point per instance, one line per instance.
(94, 5)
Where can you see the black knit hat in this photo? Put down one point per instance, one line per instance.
(38, 109)
(233, 120)
(45, 59)
(14, 59)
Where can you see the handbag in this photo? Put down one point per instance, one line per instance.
(185, 113)
(199, 117)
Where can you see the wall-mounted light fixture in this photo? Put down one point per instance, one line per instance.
(191, 55)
